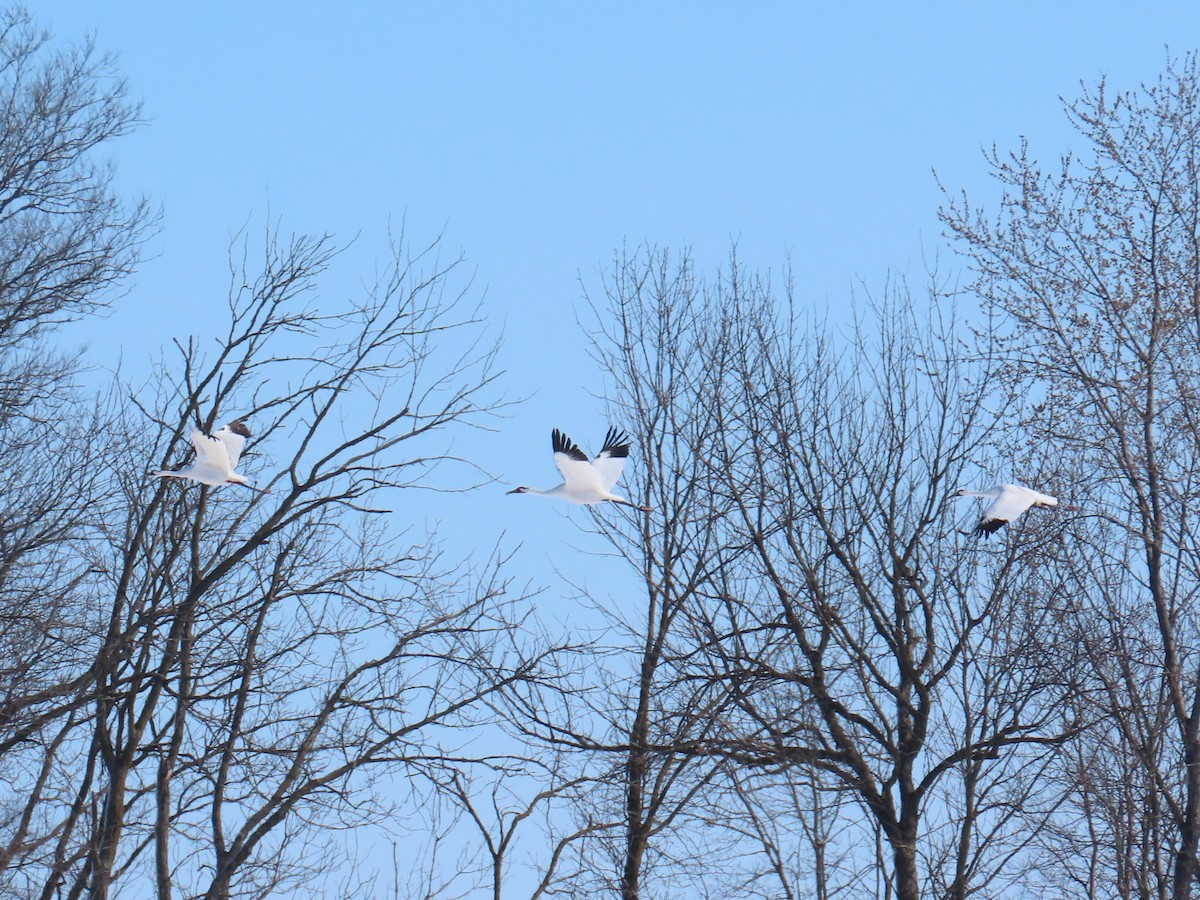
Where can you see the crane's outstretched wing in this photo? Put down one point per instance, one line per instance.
(212, 459)
(610, 461)
(1040, 499)
(577, 471)
(1013, 501)
(233, 436)
(989, 524)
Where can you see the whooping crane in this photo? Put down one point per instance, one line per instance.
(217, 456)
(1008, 502)
(587, 481)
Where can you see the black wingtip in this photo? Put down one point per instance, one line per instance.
(237, 426)
(563, 444)
(616, 443)
(989, 527)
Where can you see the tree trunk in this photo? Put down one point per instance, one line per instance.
(635, 802)
(904, 852)
(1185, 859)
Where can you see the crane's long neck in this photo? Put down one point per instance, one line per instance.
(549, 492)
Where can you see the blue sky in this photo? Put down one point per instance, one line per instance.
(542, 136)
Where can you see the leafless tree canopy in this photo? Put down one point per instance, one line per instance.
(809, 678)
(200, 685)
(840, 668)
(236, 674)
(1094, 266)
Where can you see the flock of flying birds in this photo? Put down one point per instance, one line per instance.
(585, 481)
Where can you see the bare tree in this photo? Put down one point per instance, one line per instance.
(66, 244)
(1094, 265)
(199, 686)
(507, 796)
(842, 642)
(632, 706)
(262, 665)
(650, 338)
(66, 241)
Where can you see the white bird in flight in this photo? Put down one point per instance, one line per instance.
(1008, 502)
(587, 481)
(217, 456)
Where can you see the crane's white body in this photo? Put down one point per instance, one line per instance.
(217, 457)
(1008, 502)
(587, 481)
